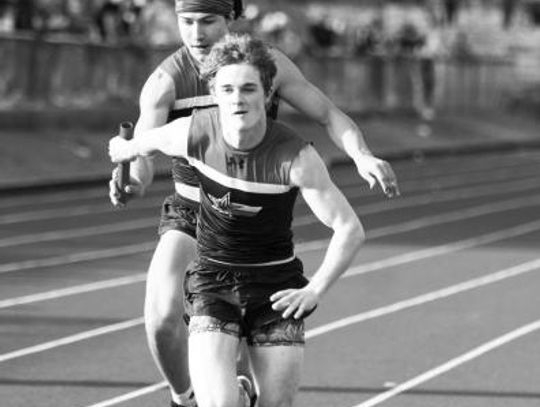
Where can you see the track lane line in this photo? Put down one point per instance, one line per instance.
(465, 193)
(372, 314)
(304, 220)
(67, 340)
(74, 290)
(301, 247)
(164, 186)
(355, 270)
(410, 186)
(453, 363)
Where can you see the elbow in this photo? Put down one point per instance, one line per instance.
(357, 234)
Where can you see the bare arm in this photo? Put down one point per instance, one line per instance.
(156, 99)
(294, 88)
(330, 206)
(171, 139)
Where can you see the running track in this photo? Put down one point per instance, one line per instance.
(441, 307)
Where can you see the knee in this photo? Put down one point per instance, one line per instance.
(162, 324)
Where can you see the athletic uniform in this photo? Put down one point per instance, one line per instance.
(244, 236)
(179, 210)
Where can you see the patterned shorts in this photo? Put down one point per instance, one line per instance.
(180, 214)
(235, 300)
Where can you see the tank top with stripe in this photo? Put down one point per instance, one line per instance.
(191, 92)
(246, 197)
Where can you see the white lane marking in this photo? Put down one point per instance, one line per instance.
(164, 186)
(78, 195)
(77, 233)
(372, 314)
(132, 395)
(453, 363)
(59, 213)
(78, 289)
(385, 310)
(82, 336)
(433, 197)
(78, 257)
(493, 237)
(457, 215)
(302, 220)
(144, 203)
(428, 297)
(300, 247)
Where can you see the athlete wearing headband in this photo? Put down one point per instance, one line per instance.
(174, 89)
(226, 8)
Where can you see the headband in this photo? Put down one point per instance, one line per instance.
(218, 7)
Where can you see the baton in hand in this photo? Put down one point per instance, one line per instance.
(126, 132)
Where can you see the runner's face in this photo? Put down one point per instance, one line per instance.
(240, 95)
(199, 31)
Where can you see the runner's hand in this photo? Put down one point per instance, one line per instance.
(121, 150)
(374, 170)
(131, 190)
(295, 302)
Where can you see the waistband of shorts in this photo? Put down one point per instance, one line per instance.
(269, 264)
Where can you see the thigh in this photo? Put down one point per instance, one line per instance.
(277, 373)
(164, 285)
(212, 361)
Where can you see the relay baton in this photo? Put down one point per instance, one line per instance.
(126, 132)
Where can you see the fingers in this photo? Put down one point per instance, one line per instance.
(292, 302)
(281, 299)
(118, 197)
(383, 174)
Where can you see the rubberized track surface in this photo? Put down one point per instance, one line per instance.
(441, 306)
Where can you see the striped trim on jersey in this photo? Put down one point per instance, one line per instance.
(236, 183)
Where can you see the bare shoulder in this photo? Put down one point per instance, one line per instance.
(286, 69)
(308, 169)
(158, 90)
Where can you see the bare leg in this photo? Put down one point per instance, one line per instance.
(243, 365)
(277, 372)
(163, 310)
(212, 363)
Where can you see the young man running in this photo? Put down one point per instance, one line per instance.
(173, 90)
(247, 281)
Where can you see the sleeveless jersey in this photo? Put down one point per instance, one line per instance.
(246, 197)
(191, 92)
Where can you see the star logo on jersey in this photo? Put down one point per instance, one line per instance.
(224, 206)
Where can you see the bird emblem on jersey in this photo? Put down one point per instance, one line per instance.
(224, 206)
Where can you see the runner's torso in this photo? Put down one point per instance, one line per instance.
(191, 92)
(246, 198)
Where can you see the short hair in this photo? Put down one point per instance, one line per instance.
(240, 49)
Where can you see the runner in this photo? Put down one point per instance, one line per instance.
(173, 90)
(247, 281)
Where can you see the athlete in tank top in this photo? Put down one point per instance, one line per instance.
(191, 92)
(246, 197)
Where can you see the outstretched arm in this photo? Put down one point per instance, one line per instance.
(171, 139)
(330, 206)
(157, 97)
(294, 88)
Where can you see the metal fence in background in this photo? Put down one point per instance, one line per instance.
(68, 74)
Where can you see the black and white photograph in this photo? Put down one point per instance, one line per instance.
(269, 203)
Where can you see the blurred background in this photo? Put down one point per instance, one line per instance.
(81, 63)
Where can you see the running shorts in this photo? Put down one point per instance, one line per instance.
(236, 300)
(178, 213)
